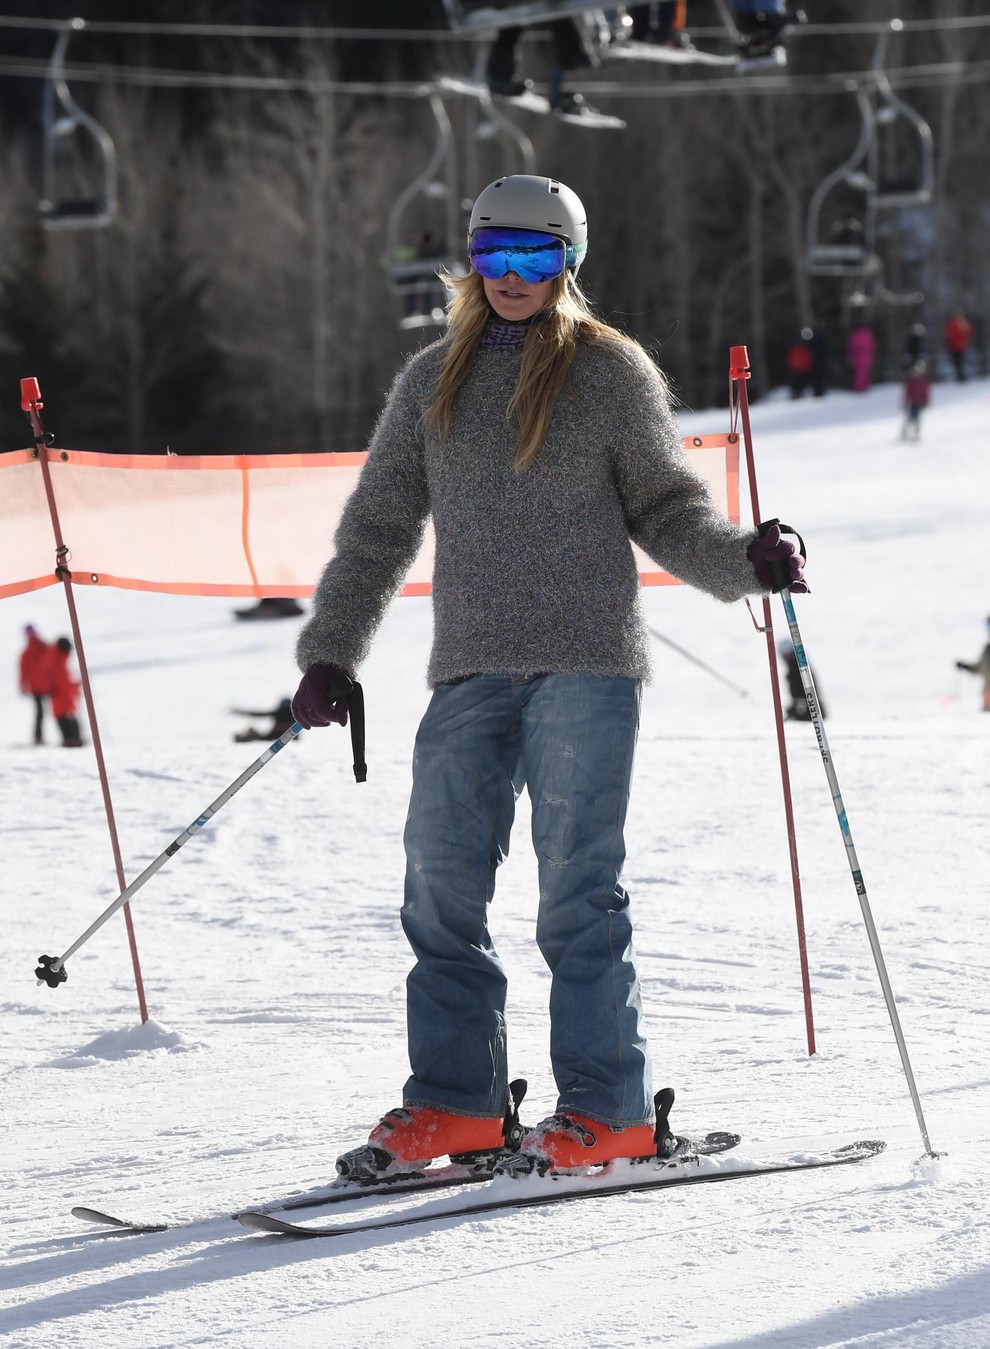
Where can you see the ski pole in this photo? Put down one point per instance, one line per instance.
(695, 661)
(51, 969)
(808, 684)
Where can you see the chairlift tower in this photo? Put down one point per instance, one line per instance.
(68, 132)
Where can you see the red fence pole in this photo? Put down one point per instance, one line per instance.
(31, 404)
(739, 403)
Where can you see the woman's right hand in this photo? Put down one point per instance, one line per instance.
(321, 698)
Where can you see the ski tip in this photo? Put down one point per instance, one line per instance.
(101, 1219)
(267, 1222)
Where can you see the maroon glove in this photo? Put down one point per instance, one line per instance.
(776, 561)
(321, 697)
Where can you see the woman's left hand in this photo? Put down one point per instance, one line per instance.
(777, 562)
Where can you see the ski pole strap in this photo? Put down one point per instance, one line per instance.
(355, 712)
(780, 570)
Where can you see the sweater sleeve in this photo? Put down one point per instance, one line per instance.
(378, 537)
(668, 508)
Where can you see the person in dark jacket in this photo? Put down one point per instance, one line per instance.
(915, 345)
(980, 666)
(64, 693)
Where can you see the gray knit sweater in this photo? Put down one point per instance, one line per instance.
(533, 573)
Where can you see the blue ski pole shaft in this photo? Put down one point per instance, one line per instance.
(814, 709)
(51, 970)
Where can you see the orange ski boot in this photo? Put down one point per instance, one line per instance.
(568, 1141)
(409, 1138)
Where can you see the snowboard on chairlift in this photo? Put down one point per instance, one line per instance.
(528, 102)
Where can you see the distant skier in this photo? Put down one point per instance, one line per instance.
(539, 652)
(860, 350)
(958, 335)
(980, 667)
(281, 721)
(917, 396)
(797, 709)
(64, 691)
(800, 363)
(34, 681)
(271, 606)
(915, 345)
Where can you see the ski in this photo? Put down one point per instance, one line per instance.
(439, 1178)
(553, 1190)
(343, 1191)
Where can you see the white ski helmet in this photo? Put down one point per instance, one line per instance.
(526, 201)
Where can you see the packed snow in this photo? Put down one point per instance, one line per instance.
(274, 962)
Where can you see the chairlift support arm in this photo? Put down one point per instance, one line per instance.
(62, 115)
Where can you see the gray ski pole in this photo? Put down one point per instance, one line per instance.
(808, 684)
(695, 661)
(51, 969)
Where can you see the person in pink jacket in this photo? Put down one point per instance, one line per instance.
(860, 350)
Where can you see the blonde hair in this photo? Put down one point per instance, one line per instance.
(549, 351)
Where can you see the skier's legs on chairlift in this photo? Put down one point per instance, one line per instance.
(661, 23)
(762, 27)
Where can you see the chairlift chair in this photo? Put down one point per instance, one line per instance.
(893, 114)
(62, 120)
(415, 279)
(832, 257)
(879, 107)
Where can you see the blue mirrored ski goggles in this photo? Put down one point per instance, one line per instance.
(497, 249)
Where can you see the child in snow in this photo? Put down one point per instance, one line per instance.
(797, 710)
(917, 395)
(33, 673)
(64, 691)
(980, 667)
(540, 441)
(281, 721)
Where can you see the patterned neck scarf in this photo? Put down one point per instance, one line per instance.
(501, 334)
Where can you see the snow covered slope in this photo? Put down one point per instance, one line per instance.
(275, 965)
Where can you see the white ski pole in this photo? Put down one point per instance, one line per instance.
(808, 684)
(51, 969)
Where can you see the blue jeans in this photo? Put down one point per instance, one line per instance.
(570, 739)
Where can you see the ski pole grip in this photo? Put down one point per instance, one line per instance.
(780, 570)
(30, 395)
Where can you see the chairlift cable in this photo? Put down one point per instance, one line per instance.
(836, 82)
(248, 31)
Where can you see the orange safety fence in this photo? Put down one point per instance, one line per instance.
(239, 525)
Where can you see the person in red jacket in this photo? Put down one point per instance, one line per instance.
(800, 363)
(64, 693)
(958, 335)
(33, 672)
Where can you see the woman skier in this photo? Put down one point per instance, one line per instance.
(540, 441)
